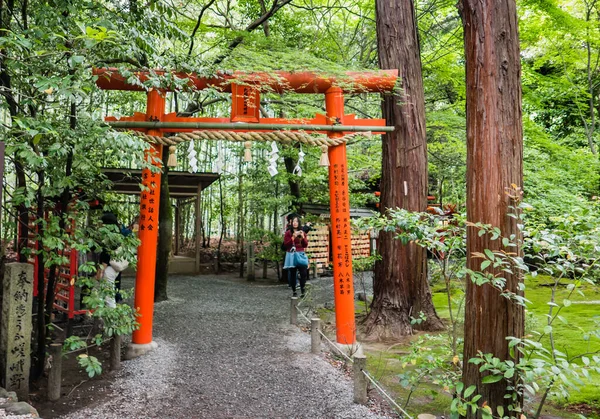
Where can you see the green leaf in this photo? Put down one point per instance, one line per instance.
(486, 413)
(489, 254)
(469, 391)
(459, 387)
(489, 379)
(566, 302)
(485, 264)
(454, 405)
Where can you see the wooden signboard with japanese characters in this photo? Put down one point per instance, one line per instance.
(15, 340)
(318, 247)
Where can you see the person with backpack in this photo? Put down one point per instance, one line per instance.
(295, 242)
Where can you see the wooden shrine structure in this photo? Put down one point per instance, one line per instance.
(186, 188)
(329, 131)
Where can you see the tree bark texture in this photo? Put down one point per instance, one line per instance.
(494, 163)
(165, 234)
(40, 321)
(22, 213)
(400, 284)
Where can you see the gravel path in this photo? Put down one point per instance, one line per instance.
(226, 350)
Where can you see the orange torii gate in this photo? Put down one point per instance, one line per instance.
(245, 91)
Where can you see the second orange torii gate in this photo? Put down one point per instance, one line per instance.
(245, 117)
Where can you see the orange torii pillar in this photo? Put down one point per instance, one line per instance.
(343, 284)
(148, 235)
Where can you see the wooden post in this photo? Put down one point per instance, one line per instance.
(115, 353)
(55, 377)
(177, 225)
(250, 274)
(198, 226)
(148, 233)
(294, 311)
(360, 381)
(340, 225)
(315, 336)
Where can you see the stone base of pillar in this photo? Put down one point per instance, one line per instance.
(351, 350)
(136, 349)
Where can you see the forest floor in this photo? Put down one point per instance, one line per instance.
(225, 349)
(234, 321)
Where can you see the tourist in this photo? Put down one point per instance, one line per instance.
(295, 241)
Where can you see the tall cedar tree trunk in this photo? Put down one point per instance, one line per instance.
(400, 283)
(494, 163)
(165, 233)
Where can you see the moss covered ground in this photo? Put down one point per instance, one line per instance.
(578, 319)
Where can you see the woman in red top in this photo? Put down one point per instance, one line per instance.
(295, 240)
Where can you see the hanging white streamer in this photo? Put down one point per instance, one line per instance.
(192, 157)
(273, 157)
(219, 163)
(298, 168)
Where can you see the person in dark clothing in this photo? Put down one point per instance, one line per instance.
(295, 240)
(306, 228)
(109, 218)
(288, 226)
